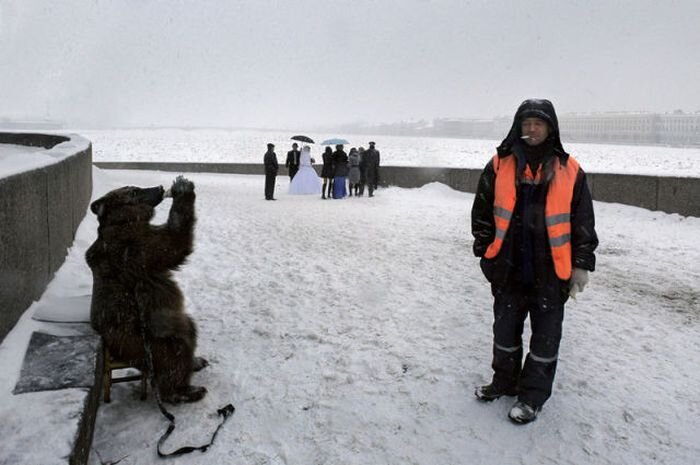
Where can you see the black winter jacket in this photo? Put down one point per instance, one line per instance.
(507, 267)
(340, 163)
(270, 161)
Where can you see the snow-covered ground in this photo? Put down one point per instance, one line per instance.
(248, 146)
(354, 331)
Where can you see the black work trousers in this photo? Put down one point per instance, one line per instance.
(533, 380)
(270, 186)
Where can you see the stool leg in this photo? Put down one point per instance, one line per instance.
(107, 378)
(144, 385)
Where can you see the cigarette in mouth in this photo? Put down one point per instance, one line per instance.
(525, 137)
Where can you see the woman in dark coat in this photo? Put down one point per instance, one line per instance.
(327, 173)
(340, 166)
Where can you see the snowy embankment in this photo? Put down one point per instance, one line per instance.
(353, 332)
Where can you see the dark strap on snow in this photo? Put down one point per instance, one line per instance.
(225, 412)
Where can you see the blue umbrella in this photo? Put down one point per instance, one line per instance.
(335, 142)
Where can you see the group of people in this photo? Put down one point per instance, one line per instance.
(343, 174)
(358, 168)
(534, 230)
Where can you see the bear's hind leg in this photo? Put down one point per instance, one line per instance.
(173, 363)
(199, 363)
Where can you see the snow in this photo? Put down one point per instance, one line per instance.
(15, 159)
(38, 415)
(248, 146)
(354, 331)
(18, 158)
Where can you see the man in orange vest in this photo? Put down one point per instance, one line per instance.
(534, 229)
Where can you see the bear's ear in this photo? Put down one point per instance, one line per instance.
(98, 207)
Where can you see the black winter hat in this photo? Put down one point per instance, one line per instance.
(532, 108)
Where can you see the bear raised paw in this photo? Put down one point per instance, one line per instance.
(132, 263)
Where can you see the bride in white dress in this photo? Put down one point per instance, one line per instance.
(306, 181)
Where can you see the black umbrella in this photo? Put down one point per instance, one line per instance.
(306, 139)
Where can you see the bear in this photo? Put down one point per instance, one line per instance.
(133, 290)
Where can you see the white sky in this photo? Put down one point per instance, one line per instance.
(289, 64)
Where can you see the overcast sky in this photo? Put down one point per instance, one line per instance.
(288, 64)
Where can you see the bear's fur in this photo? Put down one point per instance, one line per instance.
(131, 263)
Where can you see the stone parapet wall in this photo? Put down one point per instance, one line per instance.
(668, 194)
(40, 211)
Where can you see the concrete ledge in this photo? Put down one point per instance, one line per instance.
(67, 362)
(679, 195)
(82, 442)
(634, 190)
(668, 194)
(24, 244)
(50, 416)
(40, 211)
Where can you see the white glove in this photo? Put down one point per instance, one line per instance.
(579, 279)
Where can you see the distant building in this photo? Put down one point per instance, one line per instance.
(679, 129)
(463, 127)
(613, 128)
(627, 128)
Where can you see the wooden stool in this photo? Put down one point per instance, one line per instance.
(112, 364)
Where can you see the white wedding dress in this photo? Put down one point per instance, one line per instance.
(306, 181)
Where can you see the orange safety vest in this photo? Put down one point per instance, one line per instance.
(557, 206)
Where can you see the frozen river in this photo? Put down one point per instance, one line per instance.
(247, 146)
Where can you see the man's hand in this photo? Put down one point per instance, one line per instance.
(578, 281)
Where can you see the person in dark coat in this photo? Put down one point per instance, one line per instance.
(292, 162)
(534, 229)
(340, 172)
(271, 168)
(370, 159)
(327, 173)
(376, 164)
(363, 171)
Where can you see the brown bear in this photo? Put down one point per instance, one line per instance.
(131, 263)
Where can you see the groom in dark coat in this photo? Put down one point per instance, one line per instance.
(292, 162)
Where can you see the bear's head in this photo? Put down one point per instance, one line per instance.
(128, 204)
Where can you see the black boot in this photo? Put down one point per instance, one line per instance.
(323, 191)
(489, 392)
(523, 413)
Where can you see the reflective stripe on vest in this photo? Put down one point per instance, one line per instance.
(557, 208)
